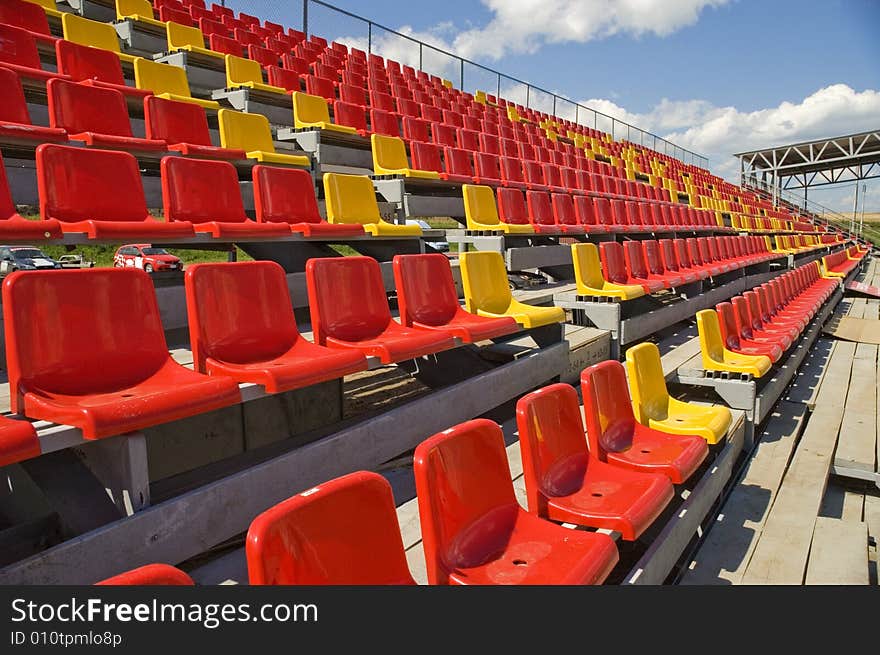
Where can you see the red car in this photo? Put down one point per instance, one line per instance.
(146, 257)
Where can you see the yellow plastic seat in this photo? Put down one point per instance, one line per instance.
(92, 33)
(251, 133)
(49, 7)
(480, 96)
(481, 211)
(589, 279)
(654, 408)
(311, 112)
(247, 73)
(167, 82)
(487, 292)
(140, 11)
(389, 158)
(188, 39)
(718, 358)
(350, 199)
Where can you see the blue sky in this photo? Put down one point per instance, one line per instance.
(715, 76)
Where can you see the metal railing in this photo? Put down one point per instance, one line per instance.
(333, 23)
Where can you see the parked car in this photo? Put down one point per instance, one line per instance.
(75, 260)
(147, 258)
(24, 258)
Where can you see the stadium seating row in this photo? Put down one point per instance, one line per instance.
(130, 381)
(619, 478)
(752, 332)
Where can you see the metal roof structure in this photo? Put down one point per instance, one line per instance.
(849, 158)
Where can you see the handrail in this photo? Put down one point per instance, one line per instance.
(695, 158)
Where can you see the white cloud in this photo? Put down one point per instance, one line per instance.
(523, 26)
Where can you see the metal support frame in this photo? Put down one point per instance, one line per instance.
(276, 108)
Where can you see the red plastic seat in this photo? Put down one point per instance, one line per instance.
(341, 532)
(585, 210)
(184, 127)
(656, 267)
(443, 135)
(637, 265)
(613, 265)
(287, 196)
(695, 255)
(427, 298)
(27, 16)
(468, 139)
(15, 120)
(426, 157)
(95, 67)
(458, 165)
(95, 115)
(349, 309)
(566, 483)
(747, 330)
(18, 441)
(486, 169)
(18, 51)
(669, 259)
(205, 193)
(241, 325)
(128, 380)
(13, 226)
(79, 184)
(150, 575)
(540, 212)
(475, 532)
(512, 207)
(617, 438)
(512, 173)
(350, 115)
(384, 123)
(731, 333)
(564, 214)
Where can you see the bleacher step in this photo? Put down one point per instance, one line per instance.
(838, 553)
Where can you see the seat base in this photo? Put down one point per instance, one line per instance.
(652, 451)
(145, 229)
(21, 229)
(244, 229)
(471, 328)
(398, 343)
(208, 152)
(18, 441)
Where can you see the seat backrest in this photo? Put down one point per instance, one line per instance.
(89, 32)
(426, 156)
(78, 184)
(467, 506)
(353, 94)
(240, 70)
(647, 384)
(175, 122)
(160, 78)
(552, 444)
(540, 209)
(415, 129)
(458, 162)
(484, 279)
(711, 342)
(249, 132)
(320, 86)
(126, 8)
(341, 532)
(468, 139)
(149, 575)
(7, 208)
(634, 256)
(284, 195)
(486, 166)
(511, 170)
(183, 35)
(224, 45)
(443, 135)
(347, 298)
(585, 258)
(512, 207)
(607, 408)
(349, 115)
(425, 290)
(479, 204)
(653, 258)
(201, 191)
(171, 14)
(613, 262)
(563, 209)
(755, 312)
(384, 122)
(81, 62)
(239, 312)
(25, 15)
(730, 332)
(262, 56)
(668, 255)
(283, 78)
(83, 108)
(53, 318)
(14, 106)
(350, 199)
(585, 210)
(389, 153)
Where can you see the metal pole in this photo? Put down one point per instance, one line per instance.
(306, 17)
(461, 75)
(420, 55)
(528, 90)
(369, 38)
(554, 105)
(498, 91)
(577, 110)
(855, 210)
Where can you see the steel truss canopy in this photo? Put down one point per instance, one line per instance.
(815, 163)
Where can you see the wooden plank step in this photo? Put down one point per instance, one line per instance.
(724, 554)
(805, 386)
(839, 553)
(780, 556)
(857, 444)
